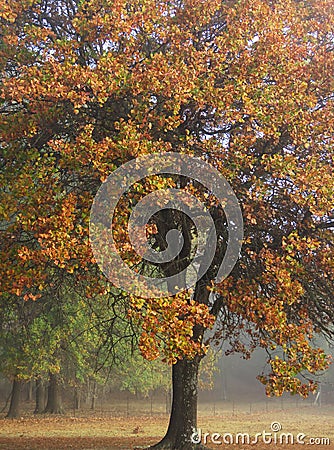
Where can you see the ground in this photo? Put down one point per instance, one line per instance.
(112, 431)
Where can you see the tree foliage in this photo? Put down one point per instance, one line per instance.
(89, 85)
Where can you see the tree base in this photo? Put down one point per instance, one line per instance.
(15, 401)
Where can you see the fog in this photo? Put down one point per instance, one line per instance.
(236, 380)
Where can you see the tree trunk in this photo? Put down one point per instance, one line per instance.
(54, 405)
(168, 401)
(94, 395)
(182, 429)
(29, 391)
(183, 419)
(40, 396)
(77, 398)
(15, 401)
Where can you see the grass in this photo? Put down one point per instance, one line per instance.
(121, 432)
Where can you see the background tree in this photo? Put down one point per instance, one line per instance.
(88, 86)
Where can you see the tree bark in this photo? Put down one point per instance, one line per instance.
(94, 395)
(15, 401)
(29, 391)
(54, 405)
(183, 418)
(77, 398)
(40, 397)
